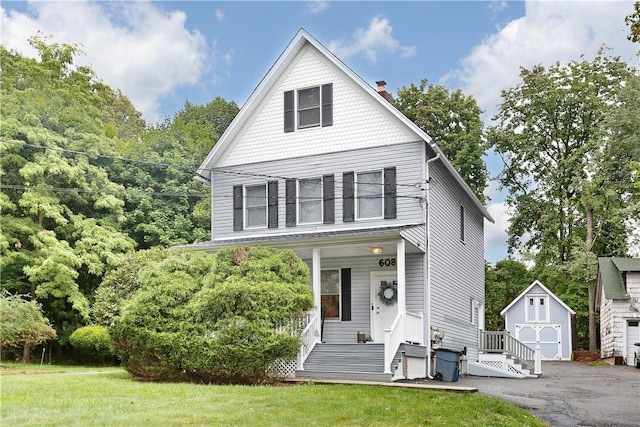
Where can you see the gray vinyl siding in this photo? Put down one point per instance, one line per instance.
(405, 157)
(457, 267)
(343, 332)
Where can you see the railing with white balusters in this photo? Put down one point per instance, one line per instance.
(307, 327)
(502, 342)
(393, 337)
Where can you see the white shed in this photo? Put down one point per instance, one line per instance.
(538, 317)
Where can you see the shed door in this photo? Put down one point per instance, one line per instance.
(548, 336)
(633, 336)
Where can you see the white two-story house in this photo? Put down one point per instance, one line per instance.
(319, 162)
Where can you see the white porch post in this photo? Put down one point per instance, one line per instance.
(315, 280)
(402, 287)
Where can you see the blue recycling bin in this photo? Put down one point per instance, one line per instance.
(447, 364)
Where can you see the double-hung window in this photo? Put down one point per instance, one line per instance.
(369, 195)
(310, 201)
(309, 107)
(256, 206)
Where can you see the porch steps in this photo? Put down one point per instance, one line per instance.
(357, 362)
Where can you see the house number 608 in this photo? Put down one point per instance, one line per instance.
(387, 262)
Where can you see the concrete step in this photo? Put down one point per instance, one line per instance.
(344, 375)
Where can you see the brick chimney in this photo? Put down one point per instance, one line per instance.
(383, 91)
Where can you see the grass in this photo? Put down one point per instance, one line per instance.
(110, 398)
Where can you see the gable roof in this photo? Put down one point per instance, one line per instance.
(545, 289)
(610, 277)
(301, 39)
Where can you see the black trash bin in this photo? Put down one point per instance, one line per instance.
(447, 364)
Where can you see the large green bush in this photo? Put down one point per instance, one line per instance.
(94, 343)
(211, 318)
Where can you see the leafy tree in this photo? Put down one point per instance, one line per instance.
(177, 146)
(568, 178)
(61, 212)
(633, 21)
(22, 324)
(503, 283)
(212, 318)
(453, 121)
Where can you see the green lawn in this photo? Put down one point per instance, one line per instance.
(65, 396)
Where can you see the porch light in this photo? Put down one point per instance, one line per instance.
(376, 250)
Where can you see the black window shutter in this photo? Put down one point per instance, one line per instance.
(237, 208)
(345, 274)
(390, 193)
(327, 104)
(329, 202)
(272, 204)
(291, 202)
(289, 113)
(348, 213)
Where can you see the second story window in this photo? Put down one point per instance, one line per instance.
(256, 206)
(369, 195)
(310, 200)
(309, 107)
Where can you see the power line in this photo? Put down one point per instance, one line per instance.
(137, 192)
(186, 168)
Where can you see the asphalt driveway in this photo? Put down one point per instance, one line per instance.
(571, 394)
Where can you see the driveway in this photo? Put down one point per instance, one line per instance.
(572, 394)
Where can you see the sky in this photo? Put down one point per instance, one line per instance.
(162, 53)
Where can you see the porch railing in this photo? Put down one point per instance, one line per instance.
(307, 327)
(413, 328)
(503, 342)
(393, 337)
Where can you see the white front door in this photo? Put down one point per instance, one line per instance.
(384, 302)
(633, 336)
(548, 336)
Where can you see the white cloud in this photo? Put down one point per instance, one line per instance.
(314, 7)
(375, 39)
(550, 32)
(219, 14)
(133, 46)
(495, 235)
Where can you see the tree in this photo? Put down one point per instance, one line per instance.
(633, 21)
(503, 283)
(177, 147)
(22, 324)
(453, 121)
(61, 212)
(211, 318)
(569, 183)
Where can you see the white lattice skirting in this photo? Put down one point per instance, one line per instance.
(285, 368)
(501, 365)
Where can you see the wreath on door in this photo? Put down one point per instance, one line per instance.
(388, 293)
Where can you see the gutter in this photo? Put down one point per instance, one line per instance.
(427, 264)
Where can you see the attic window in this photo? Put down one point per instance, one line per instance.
(309, 107)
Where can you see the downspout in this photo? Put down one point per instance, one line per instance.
(427, 266)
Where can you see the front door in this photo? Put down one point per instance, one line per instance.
(384, 302)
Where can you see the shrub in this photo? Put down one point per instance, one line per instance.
(22, 322)
(94, 343)
(212, 318)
